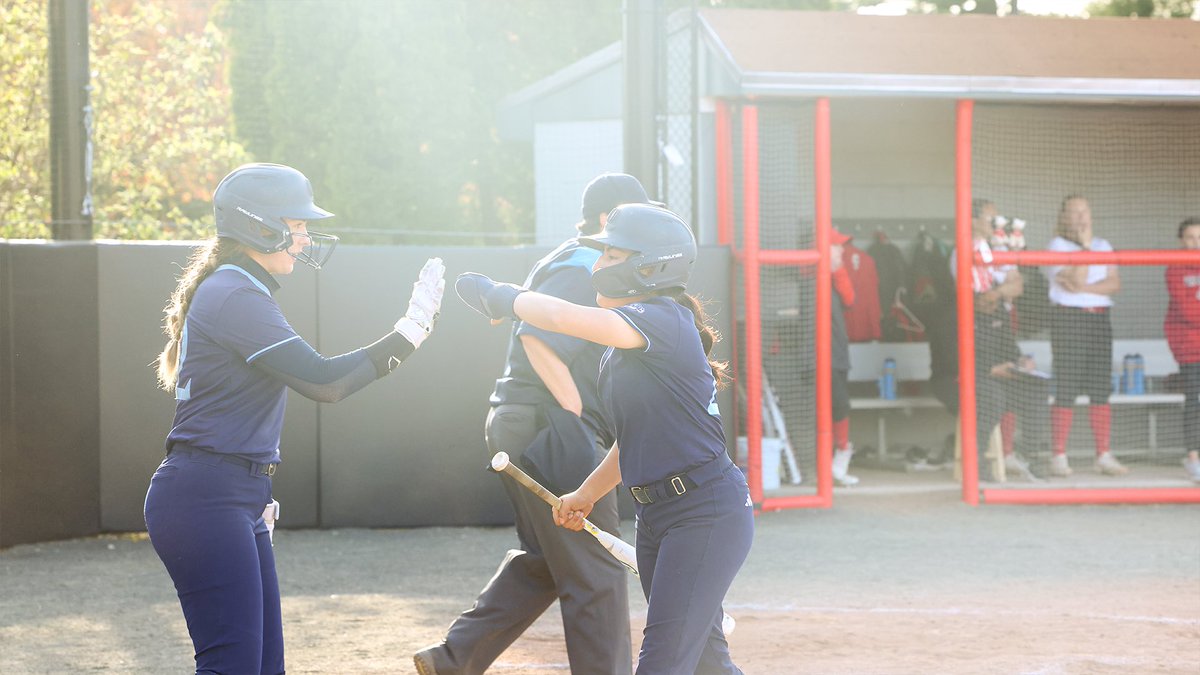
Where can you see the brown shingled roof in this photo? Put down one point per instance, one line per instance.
(784, 47)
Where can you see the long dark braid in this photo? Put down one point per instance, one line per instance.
(203, 261)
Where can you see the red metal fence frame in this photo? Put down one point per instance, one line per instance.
(751, 258)
(966, 345)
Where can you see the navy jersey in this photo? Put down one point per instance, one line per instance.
(565, 272)
(223, 403)
(661, 400)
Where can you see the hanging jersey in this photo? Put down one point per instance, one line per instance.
(862, 317)
(661, 400)
(890, 267)
(223, 403)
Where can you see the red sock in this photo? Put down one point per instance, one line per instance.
(1008, 427)
(841, 433)
(1060, 428)
(1101, 418)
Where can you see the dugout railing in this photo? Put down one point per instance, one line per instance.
(1110, 159)
(747, 134)
(738, 181)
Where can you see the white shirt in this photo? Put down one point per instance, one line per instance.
(1095, 273)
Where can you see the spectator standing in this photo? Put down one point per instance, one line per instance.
(1000, 391)
(1081, 297)
(1182, 329)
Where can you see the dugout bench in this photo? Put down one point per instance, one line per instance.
(913, 365)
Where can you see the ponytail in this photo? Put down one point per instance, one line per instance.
(203, 261)
(709, 335)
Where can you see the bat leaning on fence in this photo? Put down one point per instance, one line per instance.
(617, 547)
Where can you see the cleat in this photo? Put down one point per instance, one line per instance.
(1193, 468)
(1017, 465)
(1109, 466)
(1059, 466)
(424, 661)
(841, 466)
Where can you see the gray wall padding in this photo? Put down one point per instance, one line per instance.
(82, 423)
(49, 447)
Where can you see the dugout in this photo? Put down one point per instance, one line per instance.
(764, 114)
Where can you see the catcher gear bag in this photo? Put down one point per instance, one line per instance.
(663, 246)
(250, 203)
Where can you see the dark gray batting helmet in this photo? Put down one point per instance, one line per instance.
(663, 245)
(250, 203)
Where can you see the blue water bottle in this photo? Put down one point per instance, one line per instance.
(1127, 374)
(1139, 375)
(887, 383)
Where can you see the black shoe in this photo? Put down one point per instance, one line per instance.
(424, 660)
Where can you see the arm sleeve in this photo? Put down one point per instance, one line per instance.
(332, 379)
(844, 286)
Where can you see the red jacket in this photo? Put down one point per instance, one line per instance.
(1182, 323)
(862, 313)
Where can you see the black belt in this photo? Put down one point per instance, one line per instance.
(255, 468)
(678, 484)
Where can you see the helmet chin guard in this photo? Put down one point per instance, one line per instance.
(251, 203)
(663, 247)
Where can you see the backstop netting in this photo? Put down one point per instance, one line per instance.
(772, 160)
(1076, 386)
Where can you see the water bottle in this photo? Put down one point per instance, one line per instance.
(887, 383)
(1127, 369)
(1139, 375)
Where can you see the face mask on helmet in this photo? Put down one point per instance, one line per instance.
(250, 203)
(663, 247)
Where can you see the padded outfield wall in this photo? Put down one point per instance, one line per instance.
(82, 424)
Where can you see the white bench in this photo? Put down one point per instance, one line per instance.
(912, 365)
(1158, 364)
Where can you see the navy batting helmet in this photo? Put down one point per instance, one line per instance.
(663, 245)
(250, 203)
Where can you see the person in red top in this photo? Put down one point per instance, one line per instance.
(843, 297)
(1182, 328)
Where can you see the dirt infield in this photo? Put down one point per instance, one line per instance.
(881, 583)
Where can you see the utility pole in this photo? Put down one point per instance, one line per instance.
(70, 121)
(644, 27)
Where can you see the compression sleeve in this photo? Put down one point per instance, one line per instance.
(328, 380)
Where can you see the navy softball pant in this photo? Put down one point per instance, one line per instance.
(699, 541)
(204, 517)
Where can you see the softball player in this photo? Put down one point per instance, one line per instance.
(658, 389)
(230, 357)
(1081, 337)
(1182, 329)
(548, 373)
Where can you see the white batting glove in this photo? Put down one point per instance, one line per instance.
(425, 303)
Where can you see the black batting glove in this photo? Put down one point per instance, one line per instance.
(492, 299)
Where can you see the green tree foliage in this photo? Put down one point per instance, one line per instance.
(24, 125)
(160, 141)
(390, 107)
(1165, 9)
